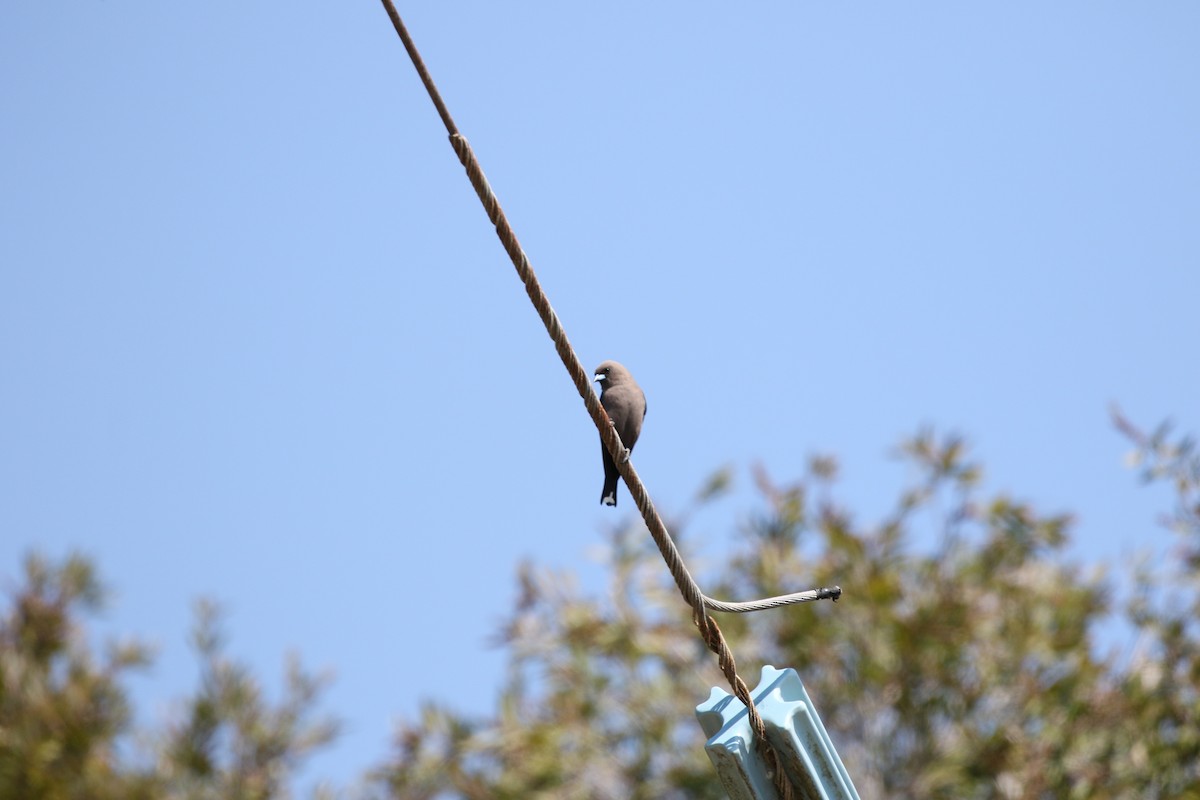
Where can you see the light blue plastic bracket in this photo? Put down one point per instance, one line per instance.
(793, 727)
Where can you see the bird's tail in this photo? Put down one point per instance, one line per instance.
(608, 497)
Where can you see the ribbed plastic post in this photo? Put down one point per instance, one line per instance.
(794, 728)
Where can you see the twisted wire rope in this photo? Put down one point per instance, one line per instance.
(700, 603)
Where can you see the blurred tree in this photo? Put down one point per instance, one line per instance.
(65, 719)
(971, 671)
(232, 743)
(1159, 735)
(62, 710)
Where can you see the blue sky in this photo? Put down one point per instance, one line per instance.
(260, 344)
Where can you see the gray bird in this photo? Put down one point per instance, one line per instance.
(625, 403)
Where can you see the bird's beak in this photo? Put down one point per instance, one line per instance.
(597, 377)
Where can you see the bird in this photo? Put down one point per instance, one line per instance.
(625, 403)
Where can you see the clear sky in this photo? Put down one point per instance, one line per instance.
(259, 343)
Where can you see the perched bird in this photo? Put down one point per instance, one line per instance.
(625, 403)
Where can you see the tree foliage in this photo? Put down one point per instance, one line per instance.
(974, 670)
(62, 708)
(65, 715)
(983, 665)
